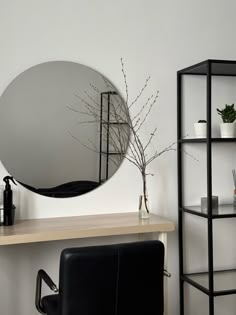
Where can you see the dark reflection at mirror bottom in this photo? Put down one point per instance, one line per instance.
(71, 189)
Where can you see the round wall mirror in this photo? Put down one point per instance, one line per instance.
(63, 129)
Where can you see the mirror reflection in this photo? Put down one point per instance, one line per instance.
(63, 129)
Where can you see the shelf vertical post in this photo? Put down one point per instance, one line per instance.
(209, 191)
(100, 148)
(108, 135)
(180, 183)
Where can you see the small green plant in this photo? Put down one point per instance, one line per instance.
(228, 114)
(201, 121)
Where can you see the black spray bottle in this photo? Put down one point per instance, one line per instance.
(8, 207)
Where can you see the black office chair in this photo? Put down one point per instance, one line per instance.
(106, 280)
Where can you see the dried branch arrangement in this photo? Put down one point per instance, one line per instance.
(128, 117)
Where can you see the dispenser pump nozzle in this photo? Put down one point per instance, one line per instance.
(7, 180)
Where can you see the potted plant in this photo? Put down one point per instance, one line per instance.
(200, 129)
(228, 115)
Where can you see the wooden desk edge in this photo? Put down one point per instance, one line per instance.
(75, 233)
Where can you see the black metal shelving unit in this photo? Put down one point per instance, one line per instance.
(104, 149)
(207, 281)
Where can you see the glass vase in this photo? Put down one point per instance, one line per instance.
(143, 207)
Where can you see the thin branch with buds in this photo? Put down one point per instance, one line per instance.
(124, 135)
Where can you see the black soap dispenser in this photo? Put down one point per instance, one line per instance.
(8, 207)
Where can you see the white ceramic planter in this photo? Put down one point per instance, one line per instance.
(200, 130)
(227, 130)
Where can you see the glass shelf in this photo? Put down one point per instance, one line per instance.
(224, 211)
(114, 123)
(224, 281)
(113, 153)
(204, 140)
(109, 93)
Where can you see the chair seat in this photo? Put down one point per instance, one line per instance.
(50, 304)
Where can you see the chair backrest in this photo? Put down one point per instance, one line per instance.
(112, 279)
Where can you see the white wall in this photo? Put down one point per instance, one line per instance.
(154, 37)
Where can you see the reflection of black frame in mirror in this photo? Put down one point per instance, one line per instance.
(114, 133)
(50, 149)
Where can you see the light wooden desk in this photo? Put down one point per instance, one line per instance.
(65, 228)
